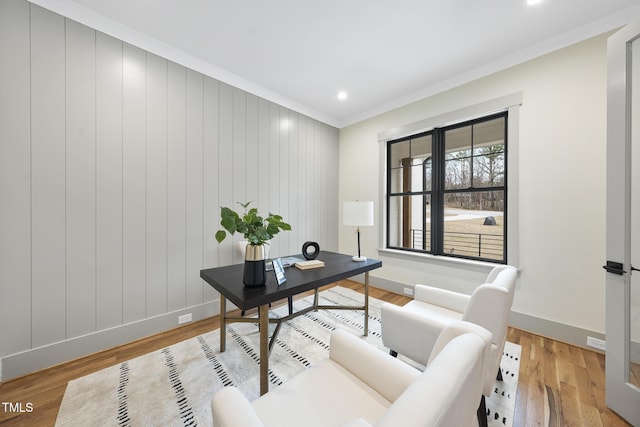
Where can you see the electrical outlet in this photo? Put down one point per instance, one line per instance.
(184, 318)
(597, 343)
(408, 291)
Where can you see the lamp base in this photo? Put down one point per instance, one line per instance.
(359, 258)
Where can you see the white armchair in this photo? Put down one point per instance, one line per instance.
(412, 329)
(361, 386)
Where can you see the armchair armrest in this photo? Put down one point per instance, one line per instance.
(230, 408)
(385, 374)
(444, 298)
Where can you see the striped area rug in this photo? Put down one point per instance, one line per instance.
(173, 386)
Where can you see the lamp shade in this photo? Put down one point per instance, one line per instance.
(358, 213)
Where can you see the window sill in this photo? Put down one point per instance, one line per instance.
(467, 264)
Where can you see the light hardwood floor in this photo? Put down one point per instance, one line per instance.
(560, 384)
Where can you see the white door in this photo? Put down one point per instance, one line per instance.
(623, 224)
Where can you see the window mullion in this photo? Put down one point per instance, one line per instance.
(437, 200)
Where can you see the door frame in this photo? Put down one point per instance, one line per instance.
(621, 396)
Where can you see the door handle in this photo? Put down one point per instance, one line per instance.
(615, 268)
(634, 269)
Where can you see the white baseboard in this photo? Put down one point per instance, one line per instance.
(19, 364)
(547, 328)
(23, 363)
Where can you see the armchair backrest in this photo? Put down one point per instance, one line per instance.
(494, 273)
(489, 307)
(506, 278)
(490, 303)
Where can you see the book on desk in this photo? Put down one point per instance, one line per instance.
(306, 265)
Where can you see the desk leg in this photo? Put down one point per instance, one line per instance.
(366, 304)
(264, 348)
(223, 323)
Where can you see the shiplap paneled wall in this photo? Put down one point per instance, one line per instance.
(113, 165)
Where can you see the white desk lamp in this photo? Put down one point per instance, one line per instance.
(359, 214)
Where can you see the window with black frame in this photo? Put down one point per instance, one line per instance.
(447, 190)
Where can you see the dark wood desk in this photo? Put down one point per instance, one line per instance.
(228, 282)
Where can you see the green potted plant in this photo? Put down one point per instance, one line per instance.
(257, 230)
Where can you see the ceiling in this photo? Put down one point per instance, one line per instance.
(382, 53)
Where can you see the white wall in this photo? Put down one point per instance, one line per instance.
(561, 176)
(114, 163)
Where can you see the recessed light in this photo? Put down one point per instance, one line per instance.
(342, 95)
(533, 2)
